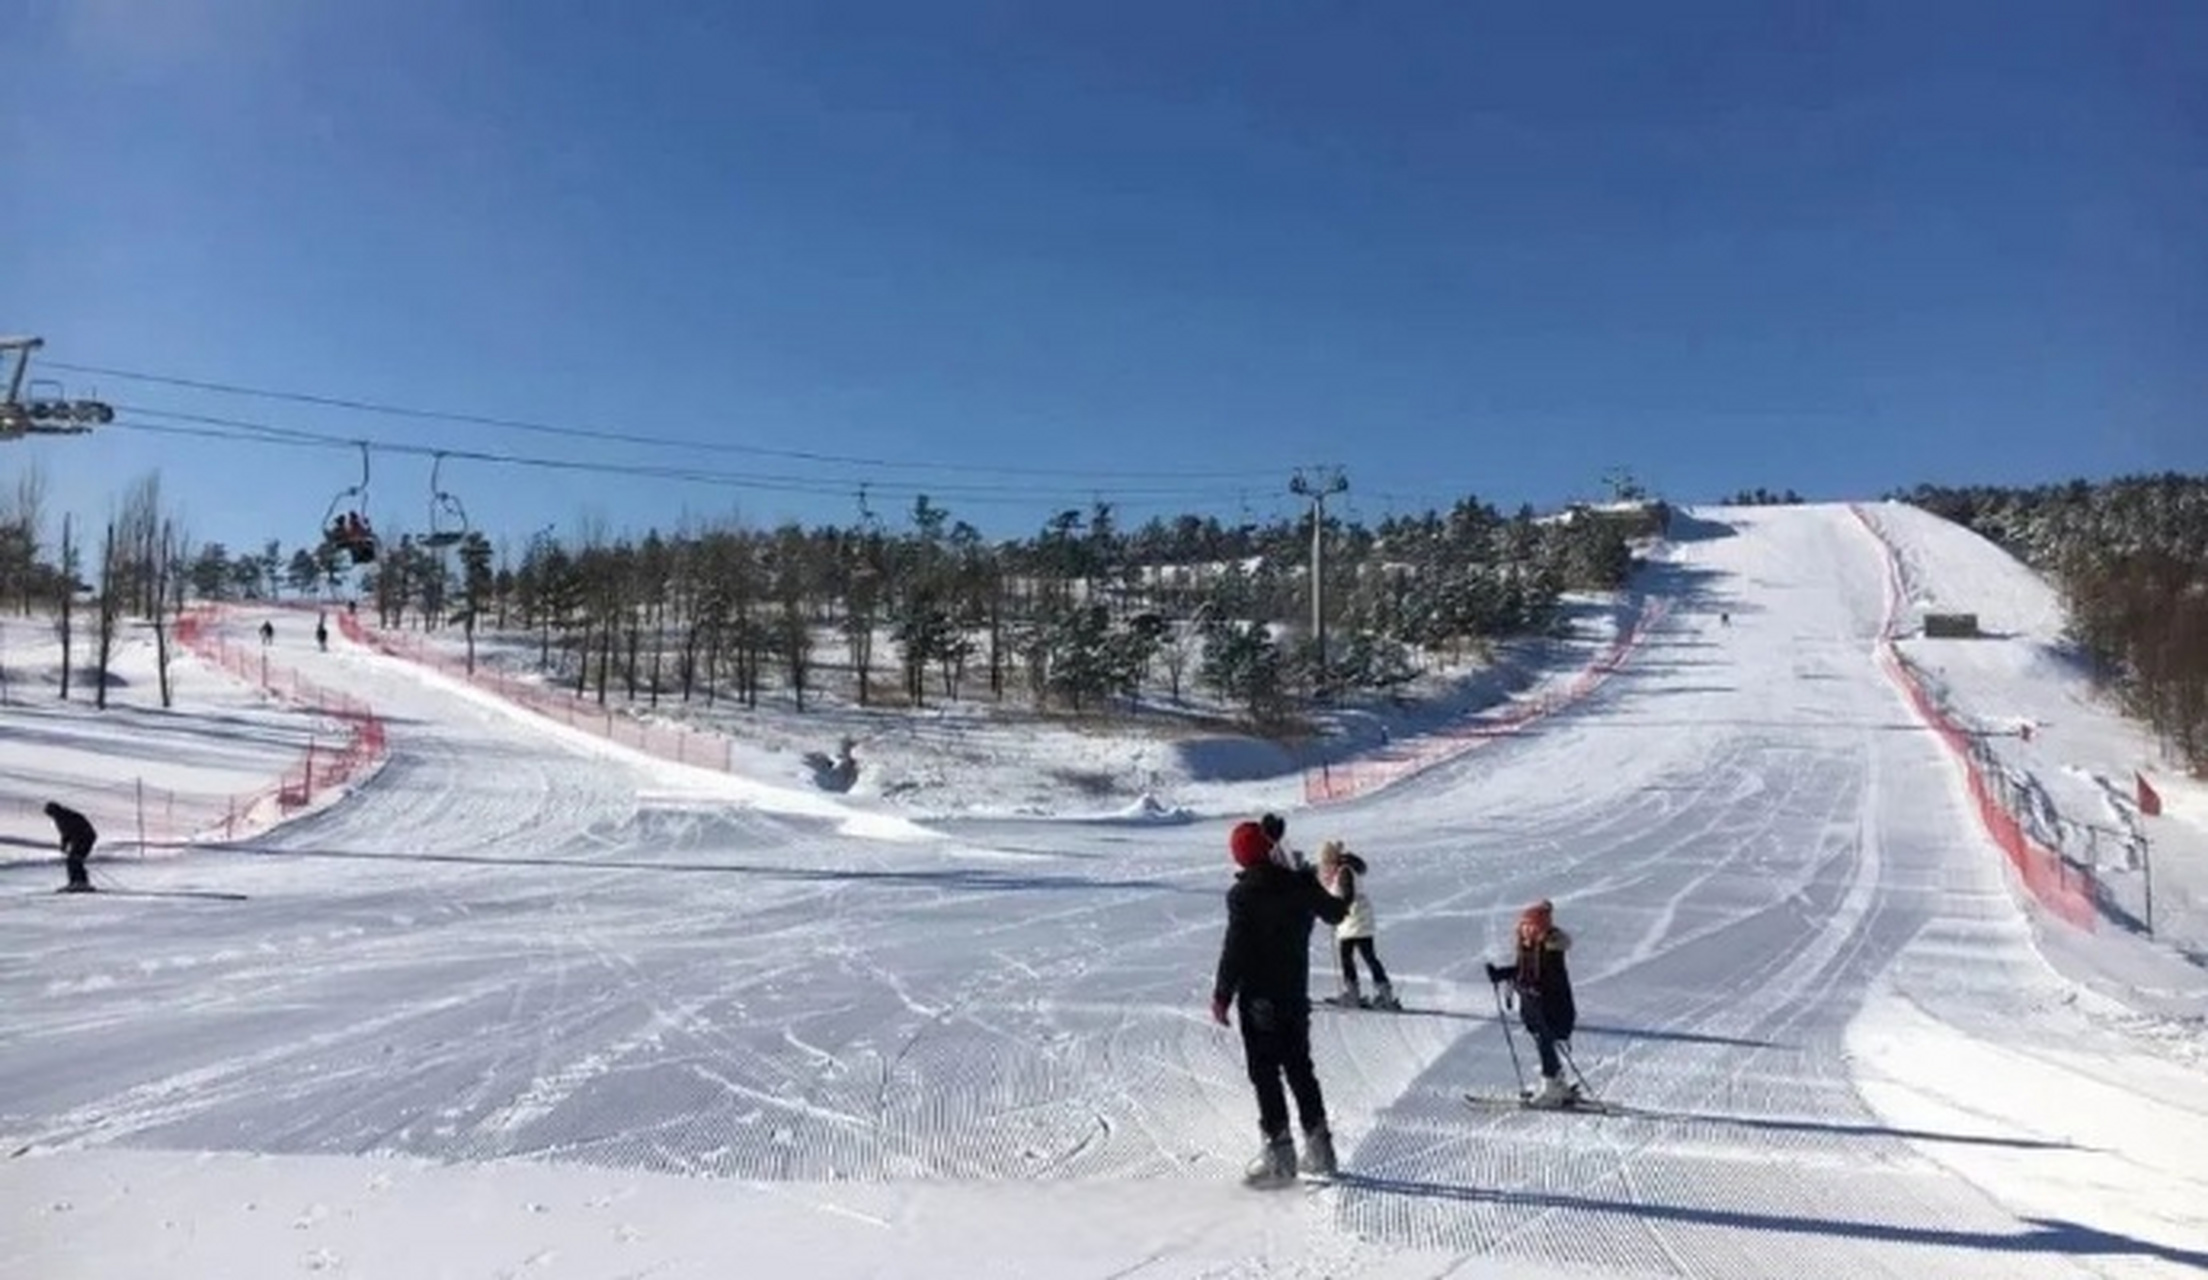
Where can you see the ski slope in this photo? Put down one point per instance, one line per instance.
(526, 1005)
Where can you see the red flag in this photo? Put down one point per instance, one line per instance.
(2150, 802)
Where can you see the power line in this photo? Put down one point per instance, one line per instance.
(625, 437)
(206, 426)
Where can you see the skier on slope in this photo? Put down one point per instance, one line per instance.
(1342, 872)
(1544, 989)
(77, 838)
(1265, 975)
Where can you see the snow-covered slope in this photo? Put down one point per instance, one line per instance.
(2074, 772)
(527, 1006)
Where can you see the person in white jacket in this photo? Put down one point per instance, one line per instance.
(1341, 872)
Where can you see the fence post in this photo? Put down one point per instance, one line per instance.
(2146, 866)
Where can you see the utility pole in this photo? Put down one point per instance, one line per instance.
(1318, 486)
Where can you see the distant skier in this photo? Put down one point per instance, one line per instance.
(1342, 873)
(77, 839)
(268, 633)
(322, 633)
(1544, 988)
(1265, 975)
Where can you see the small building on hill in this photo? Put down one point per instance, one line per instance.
(1952, 626)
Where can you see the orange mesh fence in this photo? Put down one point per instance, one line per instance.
(680, 744)
(1335, 781)
(2063, 887)
(351, 742)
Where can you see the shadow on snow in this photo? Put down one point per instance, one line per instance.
(945, 877)
(2039, 1236)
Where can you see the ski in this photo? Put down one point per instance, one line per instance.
(1525, 1102)
(209, 895)
(1366, 1006)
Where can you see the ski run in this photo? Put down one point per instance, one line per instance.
(526, 1004)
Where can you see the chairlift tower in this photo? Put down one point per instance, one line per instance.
(1322, 483)
(43, 415)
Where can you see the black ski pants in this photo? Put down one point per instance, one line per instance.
(75, 852)
(1350, 947)
(1544, 1040)
(1277, 1045)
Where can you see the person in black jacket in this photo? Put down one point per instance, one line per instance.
(1265, 975)
(77, 837)
(1544, 988)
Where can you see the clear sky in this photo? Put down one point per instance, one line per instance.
(1155, 253)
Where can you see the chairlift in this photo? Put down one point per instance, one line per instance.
(343, 526)
(448, 520)
(51, 413)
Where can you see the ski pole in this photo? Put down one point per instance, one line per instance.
(1565, 1047)
(1503, 1017)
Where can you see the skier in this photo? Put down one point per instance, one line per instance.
(1544, 990)
(1341, 871)
(1265, 975)
(322, 633)
(268, 634)
(77, 838)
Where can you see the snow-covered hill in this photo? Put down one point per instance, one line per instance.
(530, 1005)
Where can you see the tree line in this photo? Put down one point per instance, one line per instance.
(1083, 615)
(135, 563)
(2130, 557)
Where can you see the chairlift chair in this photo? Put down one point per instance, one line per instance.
(448, 520)
(344, 526)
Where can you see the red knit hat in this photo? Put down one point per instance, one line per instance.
(1538, 918)
(1249, 845)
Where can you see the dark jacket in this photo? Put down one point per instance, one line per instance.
(1544, 985)
(1266, 957)
(74, 827)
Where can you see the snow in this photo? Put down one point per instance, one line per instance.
(171, 774)
(2075, 771)
(528, 1003)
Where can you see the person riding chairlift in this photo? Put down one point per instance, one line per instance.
(351, 532)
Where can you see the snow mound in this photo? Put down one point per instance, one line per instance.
(1148, 808)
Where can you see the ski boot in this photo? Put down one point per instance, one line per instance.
(1275, 1165)
(1383, 997)
(1351, 997)
(1318, 1154)
(1555, 1095)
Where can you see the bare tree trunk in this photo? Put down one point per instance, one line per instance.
(712, 660)
(659, 640)
(167, 555)
(605, 658)
(68, 600)
(996, 641)
(111, 588)
(797, 640)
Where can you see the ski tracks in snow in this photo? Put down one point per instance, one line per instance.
(528, 959)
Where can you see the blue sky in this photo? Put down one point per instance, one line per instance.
(1158, 254)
